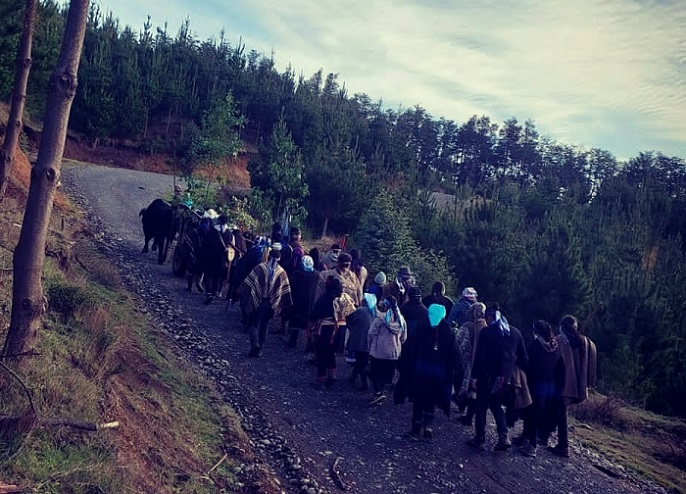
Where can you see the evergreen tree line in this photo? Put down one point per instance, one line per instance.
(542, 227)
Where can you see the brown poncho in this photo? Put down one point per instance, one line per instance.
(256, 287)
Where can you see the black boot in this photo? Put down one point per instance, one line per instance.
(293, 340)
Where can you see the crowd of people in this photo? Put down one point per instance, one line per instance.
(459, 356)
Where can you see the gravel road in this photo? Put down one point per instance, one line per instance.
(302, 432)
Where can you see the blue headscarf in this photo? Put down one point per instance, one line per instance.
(370, 300)
(500, 322)
(436, 314)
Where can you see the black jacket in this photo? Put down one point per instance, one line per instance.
(497, 354)
(303, 284)
(427, 362)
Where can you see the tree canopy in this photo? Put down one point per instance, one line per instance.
(542, 227)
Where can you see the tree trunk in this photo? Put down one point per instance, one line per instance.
(15, 123)
(28, 302)
(325, 227)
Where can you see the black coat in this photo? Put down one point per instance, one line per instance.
(545, 372)
(213, 256)
(428, 361)
(358, 324)
(415, 314)
(303, 284)
(439, 299)
(497, 354)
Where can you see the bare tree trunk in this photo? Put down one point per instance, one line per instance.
(28, 302)
(15, 121)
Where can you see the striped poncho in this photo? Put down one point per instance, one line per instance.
(258, 285)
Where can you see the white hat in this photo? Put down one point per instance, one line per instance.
(211, 214)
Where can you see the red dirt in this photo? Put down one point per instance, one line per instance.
(121, 155)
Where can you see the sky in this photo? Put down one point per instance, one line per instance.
(608, 74)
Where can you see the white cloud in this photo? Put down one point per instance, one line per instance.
(599, 73)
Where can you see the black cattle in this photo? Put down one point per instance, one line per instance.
(159, 224)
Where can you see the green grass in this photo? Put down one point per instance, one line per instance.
(97, 363)
(650, 445)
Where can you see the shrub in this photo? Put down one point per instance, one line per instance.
(68, 298)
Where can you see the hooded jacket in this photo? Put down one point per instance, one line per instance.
(579, 356)
(386, 338)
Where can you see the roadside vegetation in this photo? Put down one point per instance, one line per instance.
(100, 359)
(648, 445)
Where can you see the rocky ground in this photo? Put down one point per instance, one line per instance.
(314, 441)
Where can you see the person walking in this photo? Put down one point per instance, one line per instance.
(213, 260)
(359, 323)
(298, 251)
(386, 335)
(579, 356)
(468, 342)
(358, 267)
(545, 375)
(376, 288)
(349, 282)
(426, 368)
(323, 315)
(303, 283)
(264, 293)
(417, 317)
(500, 348)
(438, 296)
(399, 286)
(414, 311)
(458, 315)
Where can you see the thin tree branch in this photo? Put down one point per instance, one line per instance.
(26, 390)
(28, 353)
(7, 249)
(56, 421)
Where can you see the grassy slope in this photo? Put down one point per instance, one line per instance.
(97, 363)
(651, 445)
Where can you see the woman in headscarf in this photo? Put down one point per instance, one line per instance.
(427, 365)
(377, 286)
(500, 347)
(386, 335)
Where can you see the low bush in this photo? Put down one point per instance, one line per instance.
(67, 298)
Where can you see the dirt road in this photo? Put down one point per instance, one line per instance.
(303, 431)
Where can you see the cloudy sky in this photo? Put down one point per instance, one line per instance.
(594, 73)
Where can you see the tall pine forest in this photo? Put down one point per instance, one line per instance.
(541, 227)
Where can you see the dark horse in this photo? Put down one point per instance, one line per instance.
(159, 224)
